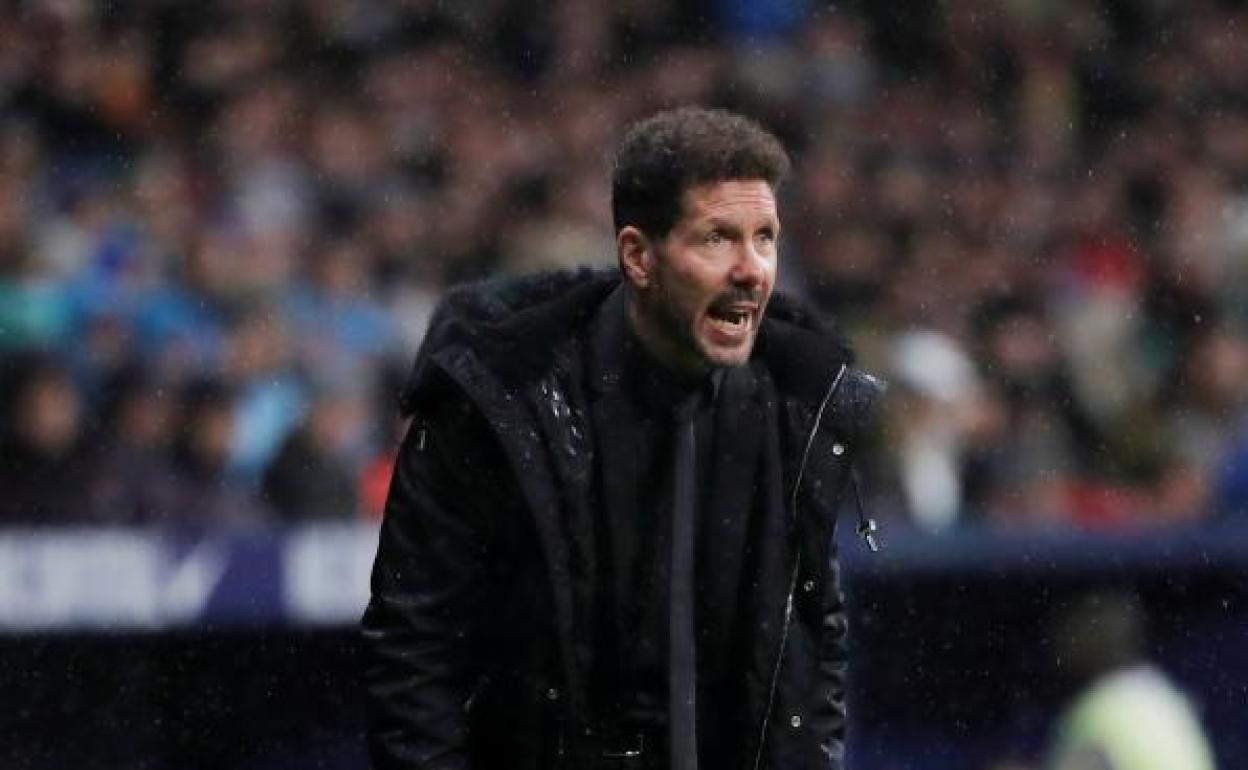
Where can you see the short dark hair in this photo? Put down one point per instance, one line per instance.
(664, 155)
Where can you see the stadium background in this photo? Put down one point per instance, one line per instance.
(223, 228)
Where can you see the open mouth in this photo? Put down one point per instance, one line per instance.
(732, 320)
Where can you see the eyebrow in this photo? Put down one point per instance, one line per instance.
(725, 224)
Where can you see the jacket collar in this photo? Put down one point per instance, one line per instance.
(515, 326)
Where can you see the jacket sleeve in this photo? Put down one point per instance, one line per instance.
(833, 667)
(857, 403)
(427, 589)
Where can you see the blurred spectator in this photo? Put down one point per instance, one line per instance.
(34, 311)
(1231, 479)
(1201, 418)
(198, 491)
(47, 468)
(312, 476)
(34, 308)
(1020, 472)
(1128, 714)
(375, 480)
(181, 326)
(342, 331)
(269, 396)
(935, 410)
(135, 435)
(378, 469)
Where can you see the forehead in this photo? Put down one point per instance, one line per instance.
(736, 198)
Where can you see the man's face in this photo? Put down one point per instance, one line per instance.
(708, 281)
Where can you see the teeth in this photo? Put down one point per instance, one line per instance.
(733, 319)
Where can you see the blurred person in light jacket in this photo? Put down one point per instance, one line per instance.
(1129, 714)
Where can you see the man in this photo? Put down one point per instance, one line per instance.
(608, 543)
(1128, 714)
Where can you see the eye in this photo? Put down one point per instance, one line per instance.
(714, 238)
(766, 238)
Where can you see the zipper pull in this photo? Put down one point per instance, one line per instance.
(866, 525)
(867, 529)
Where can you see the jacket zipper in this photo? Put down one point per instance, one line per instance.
(797, 563)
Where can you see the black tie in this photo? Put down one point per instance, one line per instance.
(682, 654)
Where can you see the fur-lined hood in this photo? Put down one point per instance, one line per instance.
(515, 325)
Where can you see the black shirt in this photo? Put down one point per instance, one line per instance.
(631, 502)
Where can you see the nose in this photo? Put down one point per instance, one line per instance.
(750, 268)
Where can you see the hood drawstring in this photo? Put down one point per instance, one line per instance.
(866, 525)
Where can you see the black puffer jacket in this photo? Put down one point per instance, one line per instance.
(474, 655)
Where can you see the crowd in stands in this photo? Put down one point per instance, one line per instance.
(223, 230)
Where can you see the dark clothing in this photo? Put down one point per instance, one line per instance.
(40, 489)
(481, 636)
(143, 485)
(631, 512)
(305, 482)
(132, 485)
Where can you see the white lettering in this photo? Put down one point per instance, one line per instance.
(325, 573)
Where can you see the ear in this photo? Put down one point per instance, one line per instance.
(636, 256)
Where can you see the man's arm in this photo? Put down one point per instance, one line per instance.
(857, 403)
(426, 596)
